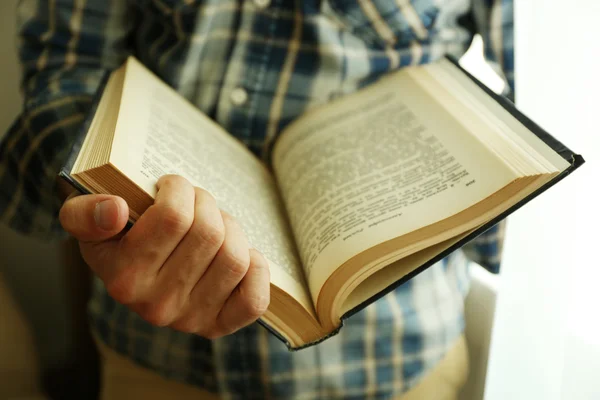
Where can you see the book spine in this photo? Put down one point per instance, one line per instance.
(65, 171)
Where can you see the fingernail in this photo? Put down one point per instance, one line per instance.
(105, 214)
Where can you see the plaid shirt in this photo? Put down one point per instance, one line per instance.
(288, 56)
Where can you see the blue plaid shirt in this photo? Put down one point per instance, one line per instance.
(288, 56)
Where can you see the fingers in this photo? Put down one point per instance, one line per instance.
(151, 240)
(192, 257)
(249, 301)
(198, 248)
(184, 264)
(227, 269)
(233, 292)
(163, 225)
(94, 218)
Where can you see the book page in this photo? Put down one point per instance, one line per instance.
(158, 132)
(392, 273)
(502, 118)
(375, 166)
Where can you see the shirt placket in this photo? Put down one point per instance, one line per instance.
(245, 79)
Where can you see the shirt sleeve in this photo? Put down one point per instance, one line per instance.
(65, 47)
(494, 21)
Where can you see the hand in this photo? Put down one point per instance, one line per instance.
(184, 264)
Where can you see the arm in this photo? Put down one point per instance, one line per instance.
(494, 21)
(64, 49)
(184, 264)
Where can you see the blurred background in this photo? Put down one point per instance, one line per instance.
(545, 339)
(31, 270)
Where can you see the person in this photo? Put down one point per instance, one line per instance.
(175, 296)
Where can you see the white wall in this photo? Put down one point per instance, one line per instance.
(31, 269)
(546, 339)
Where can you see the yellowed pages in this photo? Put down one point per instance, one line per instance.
(90, 142)
(499, 119)
(392, 273)
(158, 132)
(375, 166)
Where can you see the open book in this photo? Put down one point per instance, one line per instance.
(362, 193)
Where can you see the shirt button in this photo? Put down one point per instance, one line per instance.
(238, 96)
(262, 3)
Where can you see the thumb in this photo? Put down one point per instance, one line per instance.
(94, 217)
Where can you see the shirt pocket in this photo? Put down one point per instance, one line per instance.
(385, 23)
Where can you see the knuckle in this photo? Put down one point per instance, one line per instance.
(138, 256)
(259, 263)
(174, 221)
(173, 180)
(237, 262)
(210, 234)
(204, 196)
(258, 259)
(122, 287)
(255, 306)
(159, 313)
